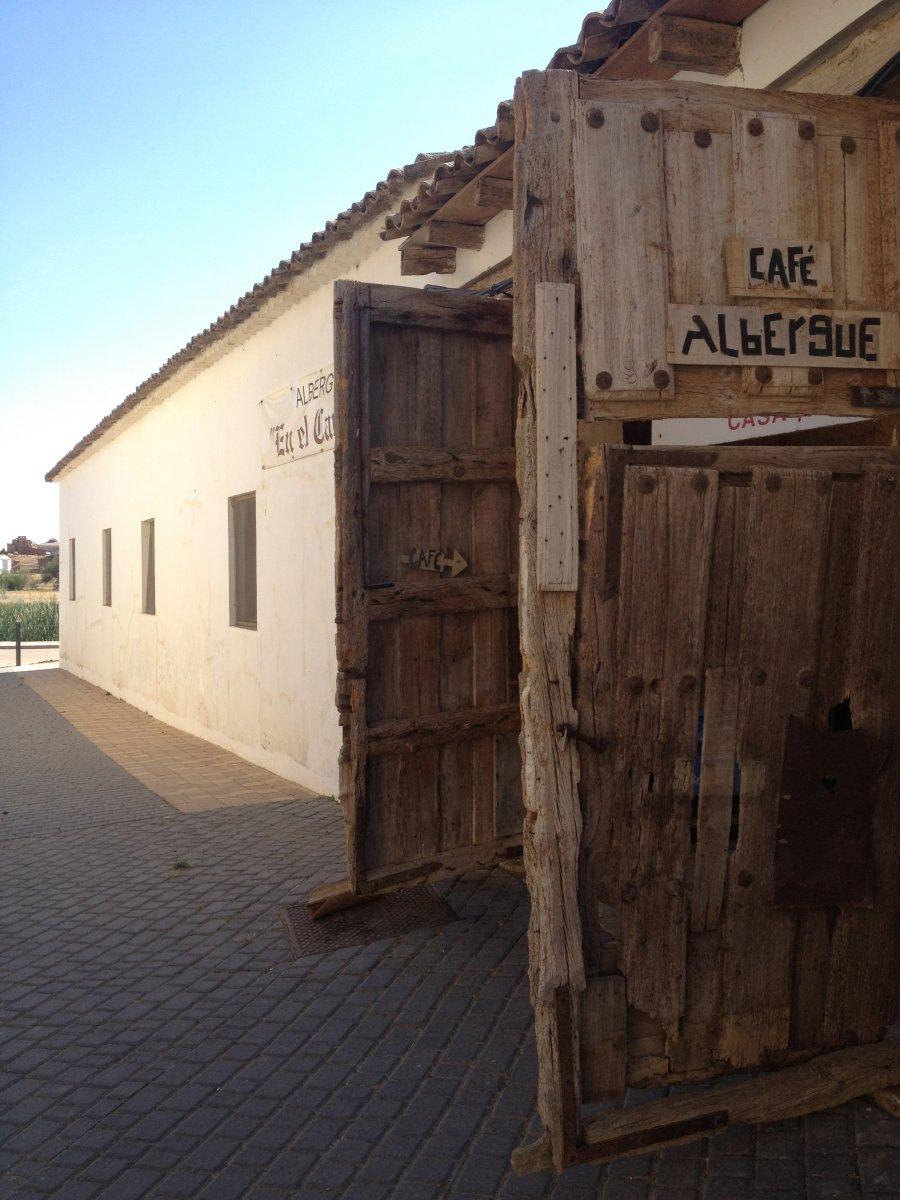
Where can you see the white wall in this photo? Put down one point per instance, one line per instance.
(267, 694)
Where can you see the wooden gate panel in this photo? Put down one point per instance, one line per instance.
(865, 961)
(668, 521)
(757, 602)
(432, 756)
(779, 642)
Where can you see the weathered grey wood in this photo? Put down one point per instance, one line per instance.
(405, 734)
(493, 193)
(689, 44)
(603, 1038)
(447, 311)
(622, 253)
(556, 437)
(779, 641)
(717, 775)
(824, 1082)
(469, 594)
(427, 260)
(668, 520)
(862, 986)
(691, 106)
(441, 464)
(453, 233)
(351, 436)
(544, 251)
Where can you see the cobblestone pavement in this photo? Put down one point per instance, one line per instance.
(156, 1040)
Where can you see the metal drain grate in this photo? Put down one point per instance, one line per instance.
(389, 916)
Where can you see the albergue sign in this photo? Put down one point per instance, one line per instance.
(726, 335)
(770, 334)
(298, 420)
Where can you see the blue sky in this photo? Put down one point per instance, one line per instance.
(157, 157)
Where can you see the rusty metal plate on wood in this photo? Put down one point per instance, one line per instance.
(823, 848)
(388, 916)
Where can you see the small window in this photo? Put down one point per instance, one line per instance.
(242, 559)
(71, 568)
(107, 567)
(148, 566)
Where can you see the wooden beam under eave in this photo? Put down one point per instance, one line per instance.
(418, 259)
(493, 193)
(454, 233)
(632, 59)
(689, 44)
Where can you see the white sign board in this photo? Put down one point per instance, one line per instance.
(298, 420)
(713, 431)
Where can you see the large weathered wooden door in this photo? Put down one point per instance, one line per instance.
(702, 899)
(426, 582)
(737, 698)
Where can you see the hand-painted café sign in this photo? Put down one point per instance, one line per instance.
(298, 420)
(771, 334)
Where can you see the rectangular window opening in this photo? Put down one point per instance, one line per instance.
(148, 566)
(242, 559)
(107, 568)
(71, 568)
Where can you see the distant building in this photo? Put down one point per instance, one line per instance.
(5, 563)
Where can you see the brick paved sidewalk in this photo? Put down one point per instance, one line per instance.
(189, 773)
(156, 1041)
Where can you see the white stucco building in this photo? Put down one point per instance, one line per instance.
(157, 604)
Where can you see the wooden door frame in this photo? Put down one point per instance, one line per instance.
(545, 271)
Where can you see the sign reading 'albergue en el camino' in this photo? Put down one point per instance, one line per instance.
(298, 420)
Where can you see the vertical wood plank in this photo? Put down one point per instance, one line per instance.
(351, 485)
(699, 206)
(621, 240)
(668, 521)
(862, 986)
(496, 774)
(557, 438)
(775, 197)
(544, 251)
(603, 1040)
(780, 632)
(717, 763)
(889, 217)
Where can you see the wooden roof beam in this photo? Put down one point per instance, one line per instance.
(453, 233)
(689, 44)
(416, 259)
(493, 193)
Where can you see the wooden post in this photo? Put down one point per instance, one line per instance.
(544, 252)
(18, 643)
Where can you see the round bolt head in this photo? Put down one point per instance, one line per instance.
(604, 381)
(646, 484)
(634, 685)
(595, 117)
(848, 144)
(758, 676)
(773, 483)
(806, 678)
(702, 138)
(807, 130)
(815, 375)
(754, 126)
(554, 117)
(650, 122)
(687, 683)
(700, 482)
(660, 379)
(763, 374)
